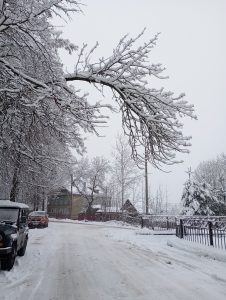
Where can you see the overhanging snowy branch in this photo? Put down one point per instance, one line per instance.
(149, 116)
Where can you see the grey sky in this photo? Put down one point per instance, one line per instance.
(192, 47)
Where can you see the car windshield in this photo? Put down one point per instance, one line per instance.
(8, 214)
(37, 213)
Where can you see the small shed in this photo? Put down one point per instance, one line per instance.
(129, 208)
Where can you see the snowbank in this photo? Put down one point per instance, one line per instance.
(198, 249)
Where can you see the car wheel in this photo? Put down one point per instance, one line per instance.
(8, 262)
(22, 250)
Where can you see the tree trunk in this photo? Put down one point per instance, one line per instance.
(15, 181)
(43, 200)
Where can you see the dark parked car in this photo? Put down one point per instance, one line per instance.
(13, 232)
(38, 219)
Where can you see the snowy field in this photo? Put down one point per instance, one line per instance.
(99, 261)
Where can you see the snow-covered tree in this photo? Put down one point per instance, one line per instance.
(38, 111)
(33, 180)
(89, 178)
(33, 90)
(199, 199)
(37, 102)
(214, 173)
(159, 201)
(150, 116)
(125, 173)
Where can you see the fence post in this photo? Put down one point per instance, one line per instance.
(142, 222)
(210, 226)
(181, 229)
(167, 223)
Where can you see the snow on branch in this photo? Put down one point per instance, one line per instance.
(24, 76)
(24, 15)
(31, 72)
(149, 116)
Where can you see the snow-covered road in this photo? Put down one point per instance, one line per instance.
(93, 262)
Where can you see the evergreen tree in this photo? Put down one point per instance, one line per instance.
(200, 199)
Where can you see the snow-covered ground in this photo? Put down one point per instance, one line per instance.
(110, 261)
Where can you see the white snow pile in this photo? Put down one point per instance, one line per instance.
(198, 249)
(154, 241)
(112, 223)
(146, 231)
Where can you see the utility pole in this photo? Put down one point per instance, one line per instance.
(71, 196)
(189, 172)
(146, 182)
(122, 178)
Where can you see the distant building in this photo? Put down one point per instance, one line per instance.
(62, 205)
(59, 204)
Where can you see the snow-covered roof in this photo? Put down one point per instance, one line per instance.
(99, 210)
(7, 203)
(96, 206)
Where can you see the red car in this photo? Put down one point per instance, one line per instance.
(38, 219)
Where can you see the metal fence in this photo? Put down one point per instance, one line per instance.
(154, 222)
(210, 231)
(159, 222)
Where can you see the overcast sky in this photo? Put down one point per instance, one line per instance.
(192, 47)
